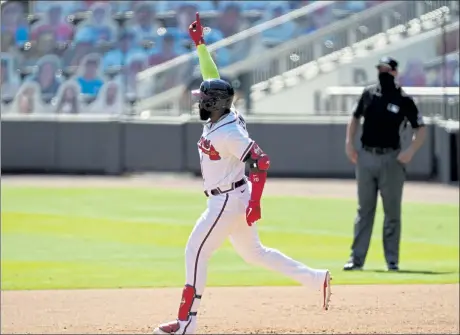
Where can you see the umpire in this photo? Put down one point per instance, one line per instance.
(380, 162)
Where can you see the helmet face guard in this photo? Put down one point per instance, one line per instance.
(206, 104)
(215, 97)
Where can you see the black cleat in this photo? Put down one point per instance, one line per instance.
(351, 266)
(393, 267)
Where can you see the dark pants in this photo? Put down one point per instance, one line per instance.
(384, 173)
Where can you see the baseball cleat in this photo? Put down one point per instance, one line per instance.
(393, 267)
(173, 327)
(351, 266)
(327, 291)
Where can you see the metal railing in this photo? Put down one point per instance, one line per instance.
(360, 30)
(433, 102)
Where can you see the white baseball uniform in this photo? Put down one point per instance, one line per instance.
(222, 147)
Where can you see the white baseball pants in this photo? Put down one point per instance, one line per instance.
(226, 217)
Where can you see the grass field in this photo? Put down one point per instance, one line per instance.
(135, 237)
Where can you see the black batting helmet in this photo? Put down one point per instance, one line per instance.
(216, 96)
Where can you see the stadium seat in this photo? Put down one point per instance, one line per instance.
(253, 5)
(202, 6)
(281, 33)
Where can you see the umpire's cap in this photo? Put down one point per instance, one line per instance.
(388, 62)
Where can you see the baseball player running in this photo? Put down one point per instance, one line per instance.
(233, 205)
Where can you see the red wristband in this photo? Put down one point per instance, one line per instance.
(258, 180)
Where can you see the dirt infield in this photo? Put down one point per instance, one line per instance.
(355, 309)
(374, 309)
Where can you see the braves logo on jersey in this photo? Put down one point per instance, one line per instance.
(208, 149)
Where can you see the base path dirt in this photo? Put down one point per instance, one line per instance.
(386, 309)
(324, 188)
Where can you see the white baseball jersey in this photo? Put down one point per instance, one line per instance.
(222, 147)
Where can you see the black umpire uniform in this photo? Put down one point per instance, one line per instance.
(385, 108)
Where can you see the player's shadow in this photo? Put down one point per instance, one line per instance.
(421, 272)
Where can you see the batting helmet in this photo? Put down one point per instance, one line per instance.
(216, 96)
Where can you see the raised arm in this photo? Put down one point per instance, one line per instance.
(207, 66)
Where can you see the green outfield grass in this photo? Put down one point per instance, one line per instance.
(106, 237)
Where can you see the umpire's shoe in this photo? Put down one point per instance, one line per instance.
(352, 266)
(393, 267)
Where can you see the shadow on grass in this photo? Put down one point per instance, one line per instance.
(421, 272)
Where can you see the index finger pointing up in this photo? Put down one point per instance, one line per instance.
(198, 19)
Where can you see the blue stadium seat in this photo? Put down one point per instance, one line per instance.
(282, 32)
(202, 6)
(213, 35)
(222, 56)
(124, 49)
(162, 7)
(143, 22)
(253, 5)
(181, 40)
(169, 46)
(83, 34)
(355, 6)
(123, 6)
(98, 30)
